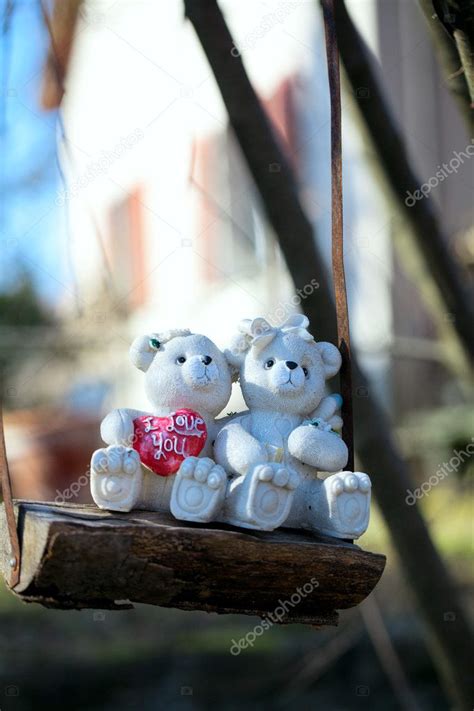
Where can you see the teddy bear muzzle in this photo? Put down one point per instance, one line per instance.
(200, 371)
(287, 377)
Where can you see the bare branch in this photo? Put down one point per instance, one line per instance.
(454, 76)
(425, 227)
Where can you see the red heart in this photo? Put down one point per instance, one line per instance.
(164, 442)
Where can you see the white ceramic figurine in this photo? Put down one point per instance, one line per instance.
(258, 469)
(276, 449)
(188, 383)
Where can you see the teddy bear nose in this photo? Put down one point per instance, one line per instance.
(291, 364)
(206, 360)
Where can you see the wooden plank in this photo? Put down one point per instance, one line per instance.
(78, 557)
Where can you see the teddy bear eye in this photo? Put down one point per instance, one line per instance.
(181, 360)
(306, 372)
(154, 343)
(269, 364)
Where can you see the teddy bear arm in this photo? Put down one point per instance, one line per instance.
(117, 426)
(327, 408)
(237, 450)
(322, 450)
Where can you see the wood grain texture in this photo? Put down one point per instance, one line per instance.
(78, 557)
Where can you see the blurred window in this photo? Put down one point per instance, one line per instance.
(126, 248)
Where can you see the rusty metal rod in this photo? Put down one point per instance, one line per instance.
(14, 554)
(337, 231)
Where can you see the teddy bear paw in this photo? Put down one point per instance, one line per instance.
(348, 498)
(262, 498)
(199, 490)
(116, 478)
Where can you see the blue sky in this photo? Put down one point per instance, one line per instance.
(32, 231)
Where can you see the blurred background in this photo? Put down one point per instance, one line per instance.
(127, 207)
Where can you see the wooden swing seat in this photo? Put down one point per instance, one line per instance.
(76, 557)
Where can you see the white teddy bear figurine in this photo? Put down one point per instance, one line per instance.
(276, 450)
(188, 382)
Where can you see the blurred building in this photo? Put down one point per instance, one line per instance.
(166, 225)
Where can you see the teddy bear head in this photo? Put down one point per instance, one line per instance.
(282, 369)
(183, 369)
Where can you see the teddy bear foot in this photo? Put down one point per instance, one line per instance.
(262, 498)
(116, 478)
(348, 501)
(199, 490)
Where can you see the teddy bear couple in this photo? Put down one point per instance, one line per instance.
(257, 469)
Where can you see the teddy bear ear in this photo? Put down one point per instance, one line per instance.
(331, 358)
(235, 353)
(143, 350)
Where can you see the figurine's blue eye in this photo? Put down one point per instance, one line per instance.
(181, 360)
(269, 364)
(306, 372)
(154, 343)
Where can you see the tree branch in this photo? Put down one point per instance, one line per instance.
(453, 71)
(393, 159)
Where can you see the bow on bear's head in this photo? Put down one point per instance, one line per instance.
(258, 333)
